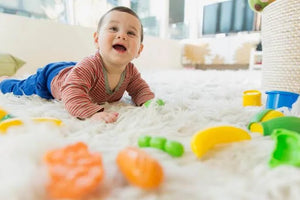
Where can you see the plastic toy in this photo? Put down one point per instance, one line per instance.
(251, 98)
(52, 120)
(206, 139)
(144, 141)
(139, 168)
(173, 148)
(262, 116)
(4, 125)
(296, 107)
(259, 5)
(74, 171)
(158, 142)
(7, 121)
(4, 115)
(158, 102)
(287, 148)
(8, 116)
(278, 99)
(291, 123)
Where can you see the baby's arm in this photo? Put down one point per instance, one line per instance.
(77, 101)
(138, 89)
(75, 94)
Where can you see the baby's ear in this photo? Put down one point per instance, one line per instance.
(96, 39)
(140, 50)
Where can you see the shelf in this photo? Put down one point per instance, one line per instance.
(255, 59)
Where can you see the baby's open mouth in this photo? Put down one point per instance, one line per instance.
(119, 47)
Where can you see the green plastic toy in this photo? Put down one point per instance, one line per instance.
(171, 147)
(291, 123)
(287, 148)
(259, 5)
(262, 116)
(144, 141)
(158, 102)
(8, 116)
(158, 142)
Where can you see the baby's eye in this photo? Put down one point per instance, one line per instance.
(113, 28)
(131, 33)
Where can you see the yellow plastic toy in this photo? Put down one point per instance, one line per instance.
(3, 113)
(7, 121)
(206, 139)
(52, 120)
(4, 125)
(251, 98)
(263, 116)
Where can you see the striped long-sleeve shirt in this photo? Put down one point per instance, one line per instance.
(84, 87)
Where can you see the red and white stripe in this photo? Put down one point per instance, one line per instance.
(82, 87)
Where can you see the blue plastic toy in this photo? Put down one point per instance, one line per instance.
(277, 99)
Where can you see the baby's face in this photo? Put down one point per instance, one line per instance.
(119, 38)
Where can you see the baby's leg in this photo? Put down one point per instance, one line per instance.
(19, 87)
(3, 78)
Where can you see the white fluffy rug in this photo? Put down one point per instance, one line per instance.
(195, 100)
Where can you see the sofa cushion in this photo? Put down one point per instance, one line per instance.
(9, 64)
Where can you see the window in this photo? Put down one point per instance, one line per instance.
(174, 19)
(227, 17)
(150, 13)
(51, 9)
(88, 12)
(210, 19)
(178, 29)
(226, 10)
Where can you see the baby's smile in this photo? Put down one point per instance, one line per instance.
(120, 48)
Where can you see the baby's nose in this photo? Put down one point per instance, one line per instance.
(122, 36)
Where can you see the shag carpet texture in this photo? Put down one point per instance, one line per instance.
(195, 100)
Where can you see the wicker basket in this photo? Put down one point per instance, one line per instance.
(281, 46)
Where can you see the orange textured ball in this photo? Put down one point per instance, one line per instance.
(74, 171)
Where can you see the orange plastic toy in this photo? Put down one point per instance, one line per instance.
(139, 168)
(74, 171)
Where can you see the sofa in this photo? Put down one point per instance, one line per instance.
(219, 52)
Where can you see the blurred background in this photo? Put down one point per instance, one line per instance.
(197, 34)
(172, 19)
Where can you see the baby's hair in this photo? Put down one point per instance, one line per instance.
(122, 9)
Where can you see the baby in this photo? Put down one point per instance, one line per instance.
(85, 86)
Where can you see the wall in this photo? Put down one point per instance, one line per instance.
(160, 54)
(39, 42)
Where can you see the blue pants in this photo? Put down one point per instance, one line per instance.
(39, 83)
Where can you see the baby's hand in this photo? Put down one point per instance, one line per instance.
(108, 117)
